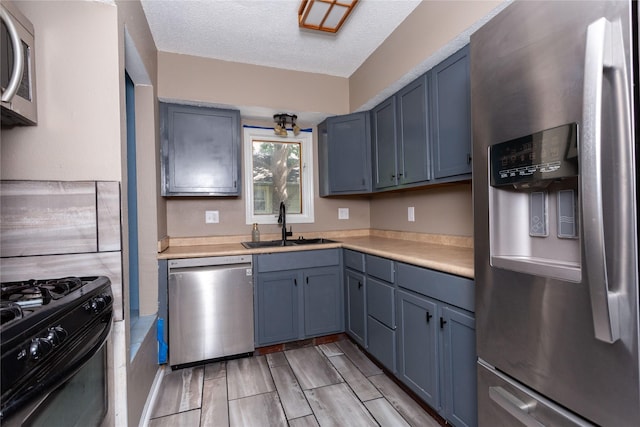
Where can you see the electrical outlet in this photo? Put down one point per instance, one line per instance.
(211, 217)
(343, 213)
(411, 214)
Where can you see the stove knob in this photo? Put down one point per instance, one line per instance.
(98, 304)
(56, 335)
(39, 347)
(107, 298)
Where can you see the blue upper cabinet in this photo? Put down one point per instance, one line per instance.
(385, 144)
(401, 137)
(413, 136)
(421, 135)
(451, 116)
(344, 154)
(200, 151)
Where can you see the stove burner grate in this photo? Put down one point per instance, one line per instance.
(9, 311)
(39, 292)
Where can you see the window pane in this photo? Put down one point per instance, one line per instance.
(276, 177)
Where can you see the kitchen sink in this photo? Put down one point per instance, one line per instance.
(293, 242)
(317, 241)
(266, 244)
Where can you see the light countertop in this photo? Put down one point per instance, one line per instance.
(449, 254)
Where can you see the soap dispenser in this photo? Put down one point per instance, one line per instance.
(255, 233)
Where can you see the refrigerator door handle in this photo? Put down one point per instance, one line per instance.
(514, 406)
(604, 53)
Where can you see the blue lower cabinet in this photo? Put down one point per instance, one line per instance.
(381, 318)
(298, 295)
(460, 379)
(418, 346)
(277, 307)
(437, 355)
(322, 301)
(382, 343)
(355, 302)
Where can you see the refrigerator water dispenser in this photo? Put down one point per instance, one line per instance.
(532, 204)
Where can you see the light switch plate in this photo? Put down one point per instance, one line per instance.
(211, 217)
(343, 213)
(411, 214)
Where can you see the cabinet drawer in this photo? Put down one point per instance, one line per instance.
(381, 302)
(454, 290)
(297, 260)
(382, 268)
(354, 260)
(382, 343)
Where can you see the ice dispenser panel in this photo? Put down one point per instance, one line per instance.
(532, 204)
(536, 160)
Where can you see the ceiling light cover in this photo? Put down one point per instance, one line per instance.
(281, 121)
(324, 15)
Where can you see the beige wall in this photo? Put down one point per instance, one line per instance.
(184, 77)
(139, 57)
(142, 65)
(78, 131)
(431, 26)
(446, 209)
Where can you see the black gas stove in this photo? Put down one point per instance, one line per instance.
(48, 330)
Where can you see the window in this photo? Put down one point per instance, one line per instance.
(278, 169)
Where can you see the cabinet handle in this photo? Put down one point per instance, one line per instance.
(235, 184)
(359, 284)
(469, 158)
(295, 282)
(442, 322)
(429, 316)
(393, 177)
(307, 279)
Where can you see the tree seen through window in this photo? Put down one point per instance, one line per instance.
(276, 176)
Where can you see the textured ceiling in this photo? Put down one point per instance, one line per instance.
(266, 32)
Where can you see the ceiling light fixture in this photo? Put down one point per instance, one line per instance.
(282, 120)
(324, 15)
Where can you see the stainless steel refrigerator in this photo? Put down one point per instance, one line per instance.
(555, 207)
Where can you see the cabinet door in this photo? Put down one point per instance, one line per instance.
(382, 343)
(347, 168)
(356, 314)
(322, 301)
(459, 353)
(277, 307)
(200, 150)
(418, 361)
(384, 144)
(381, 302)
(413, 139)
(451, 125)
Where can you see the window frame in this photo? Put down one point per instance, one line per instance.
(305, 138)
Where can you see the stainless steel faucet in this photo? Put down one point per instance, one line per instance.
(282, 219)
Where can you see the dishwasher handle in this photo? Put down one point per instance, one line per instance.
(212, 268)
(209, 261)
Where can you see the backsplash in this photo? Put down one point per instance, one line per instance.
(54, 229)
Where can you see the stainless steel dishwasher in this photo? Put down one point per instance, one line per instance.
(210, 308)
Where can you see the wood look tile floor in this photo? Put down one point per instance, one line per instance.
(326, 385)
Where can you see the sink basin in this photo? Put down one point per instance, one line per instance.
(316, 241)
(266, 244)
(292, 242)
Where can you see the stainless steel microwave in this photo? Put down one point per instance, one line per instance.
(17, 68)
